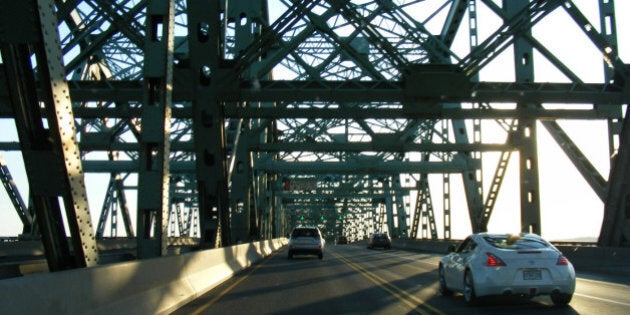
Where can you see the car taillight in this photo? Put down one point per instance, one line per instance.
(493, 261)
(562, 261)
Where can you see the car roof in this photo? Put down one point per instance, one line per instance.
(306, 227)
(532, 235)
(524, 236)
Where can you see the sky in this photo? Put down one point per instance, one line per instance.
(569, 208)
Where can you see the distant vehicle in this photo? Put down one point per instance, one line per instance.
(342, 240)
(506, 264)
(379, 240)
(306, 240)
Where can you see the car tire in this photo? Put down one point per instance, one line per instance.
(561, 299)
(469, 289)
(320, 256)
(444, 290)
(290, 256)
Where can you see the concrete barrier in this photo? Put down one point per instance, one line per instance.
(613, 260)
(437, 246)
(151, 286)
(610, 260)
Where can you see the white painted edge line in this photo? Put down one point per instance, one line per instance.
(601, 299)
(621, 285)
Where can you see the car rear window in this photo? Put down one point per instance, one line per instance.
(305, 233)
(515, 242)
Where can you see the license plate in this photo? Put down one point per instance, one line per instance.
(532, 274)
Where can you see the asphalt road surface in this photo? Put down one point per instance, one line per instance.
(352, 279)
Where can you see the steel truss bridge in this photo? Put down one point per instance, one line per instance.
(230, 121)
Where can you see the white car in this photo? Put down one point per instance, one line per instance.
(506, 264)
(306, 240)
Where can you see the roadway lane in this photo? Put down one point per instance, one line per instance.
(354, 280)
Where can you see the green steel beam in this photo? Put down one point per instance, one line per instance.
(48, 136)
(207, 55)
(359, 92)
(362, 167)
(154, 166)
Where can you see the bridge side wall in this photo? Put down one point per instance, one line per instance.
(615, 260)
(151, 286)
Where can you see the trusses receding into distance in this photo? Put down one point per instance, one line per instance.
(230, 121)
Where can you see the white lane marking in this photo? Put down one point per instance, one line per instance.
(601, 299)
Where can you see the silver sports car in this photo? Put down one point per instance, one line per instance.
(507, 264)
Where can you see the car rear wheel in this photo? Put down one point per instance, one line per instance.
(469, 289)
(321, 256)
(561, 299)
(443, 288)
(290, 255)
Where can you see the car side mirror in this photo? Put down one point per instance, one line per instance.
(451, 248)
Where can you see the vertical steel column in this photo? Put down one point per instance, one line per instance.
(154, 172)
(206, 44)
(616, 223)
(401, 211)
(527, 132)
(426, 210)
(274, 215)
(417, 213)
(51, 153)
(62, 124)
(473, 22)
(241, 187)
(246, 19)
(608, 26)
(446, 193)
(446, 197)
(389, 204)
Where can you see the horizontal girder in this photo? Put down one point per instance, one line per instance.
(187, 146)
(355, 92)
(351, 167)
(368, 166)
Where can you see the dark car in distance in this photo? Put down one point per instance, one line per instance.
(379, 240)
(342, 240)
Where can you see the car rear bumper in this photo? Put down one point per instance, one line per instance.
(305, 251)
(380, 244)
(492, 285)
(530, 290)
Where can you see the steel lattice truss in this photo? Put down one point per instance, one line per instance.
(344, 114)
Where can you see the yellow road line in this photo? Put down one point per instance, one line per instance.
(228, 289)
(402, 295)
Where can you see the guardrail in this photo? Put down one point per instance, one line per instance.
(8, 239)
(149, 286)
(585, 256)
